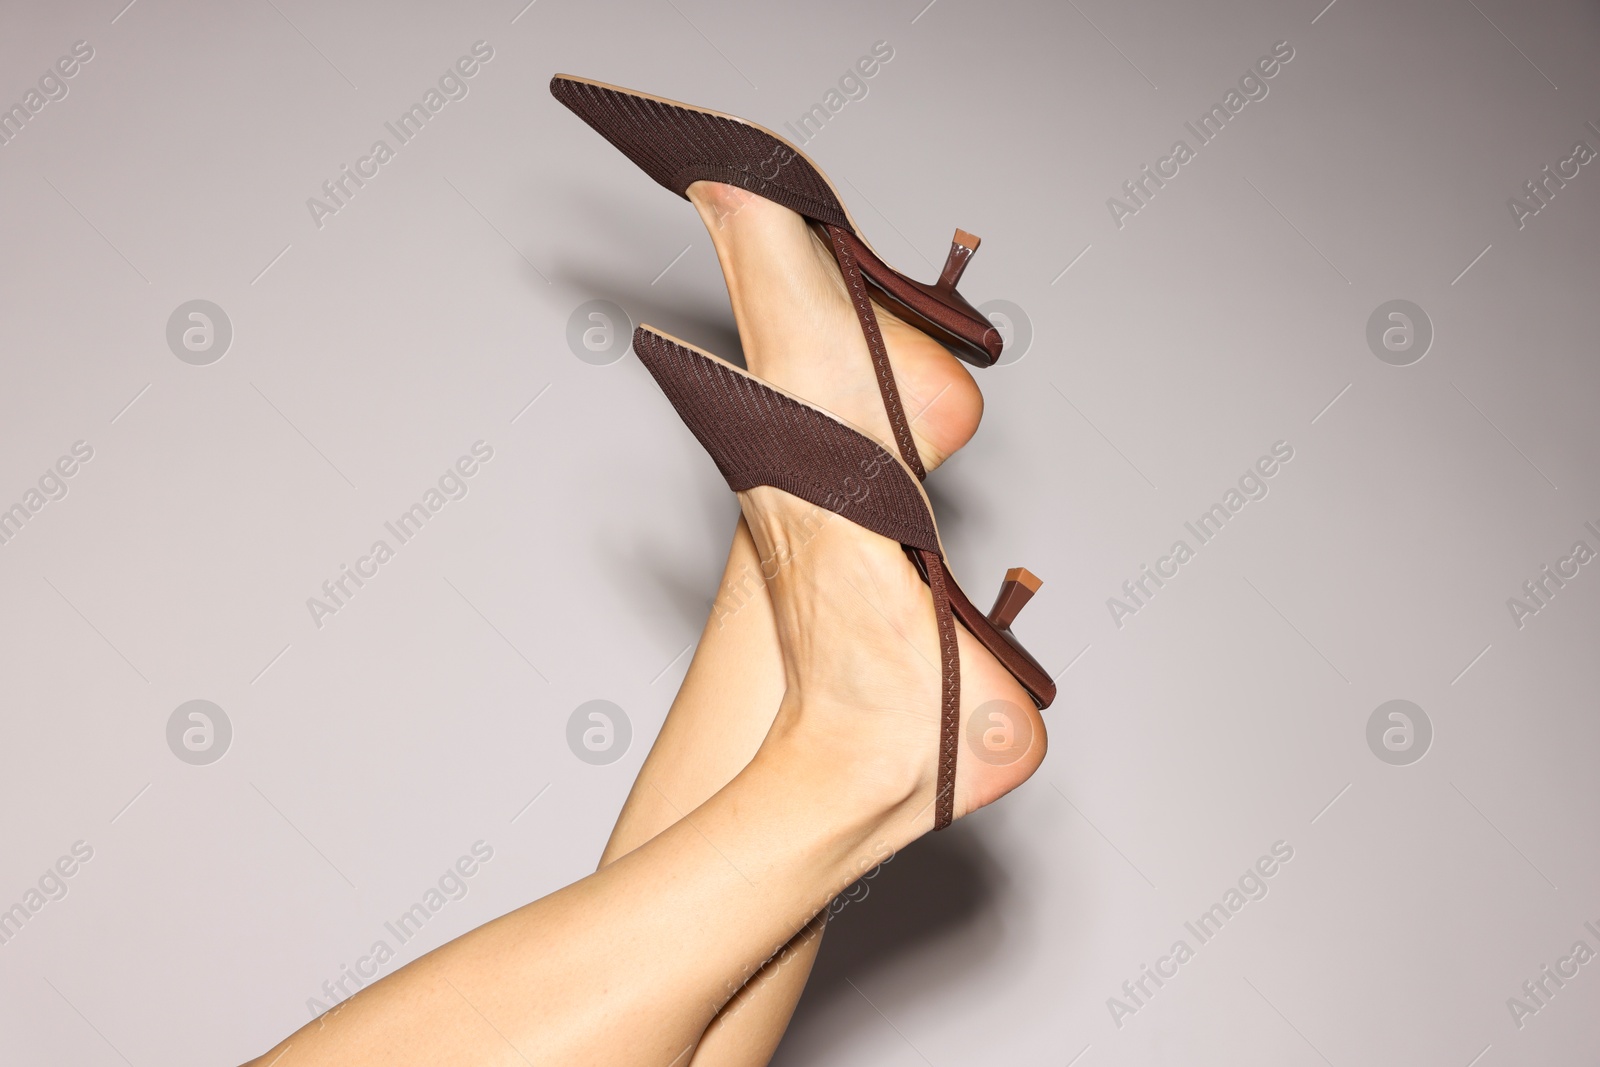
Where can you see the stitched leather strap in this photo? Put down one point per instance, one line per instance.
(950, 703)
(843, 242)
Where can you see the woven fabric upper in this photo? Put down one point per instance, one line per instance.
(759, 436)
(678, 146)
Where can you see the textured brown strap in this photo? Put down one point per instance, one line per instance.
(950, 703)
(843, 242)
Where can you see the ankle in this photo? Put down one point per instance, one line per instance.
(868, 797)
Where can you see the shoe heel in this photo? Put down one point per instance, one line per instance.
(962, 245)
(1018, 588)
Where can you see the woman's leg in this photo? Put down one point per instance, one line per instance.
(799, 332)
(630, 965)
(721, 715)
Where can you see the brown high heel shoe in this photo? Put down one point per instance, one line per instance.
(760, 435)
(679, 144)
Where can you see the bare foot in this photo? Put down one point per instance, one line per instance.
(801, 333)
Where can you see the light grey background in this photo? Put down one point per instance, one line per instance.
(1230, 313)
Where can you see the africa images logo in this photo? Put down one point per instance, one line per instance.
(1252, 485)
(1140, 190)
(339, 190)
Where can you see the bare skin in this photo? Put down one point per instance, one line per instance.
(630, 965)
(798, 331)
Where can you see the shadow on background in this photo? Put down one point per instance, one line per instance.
(704, 324)
(641, 564)
(703, 319)
(935, 900)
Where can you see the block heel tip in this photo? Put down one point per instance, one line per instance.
(962, 246)
(1018, 588)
